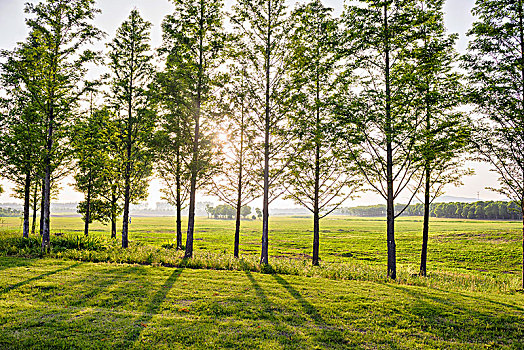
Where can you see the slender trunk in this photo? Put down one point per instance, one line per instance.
(425, 228)
(88, 208)
(178, 194)
(127, 192)
(41, 228)
(47, 184)
(129, 145)
(239, 188)
(392, 259)
(316, 206)
(194, 166)
(33, 224)
(522, 211)
(27, 195)
(264, 259)
(521, 32)
(113, 214)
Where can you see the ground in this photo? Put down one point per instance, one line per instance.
(55, 303)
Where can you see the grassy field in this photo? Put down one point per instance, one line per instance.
(473, 245)
(48, 303)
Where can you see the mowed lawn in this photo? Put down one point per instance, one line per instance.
(472, 245)
(63, 304)
(48, 304)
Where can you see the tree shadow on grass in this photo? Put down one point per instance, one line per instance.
(450, 320)
(285, 335)
(11, 262)
(327, 334)
(153, 307)
(307, 306)
(20, 284)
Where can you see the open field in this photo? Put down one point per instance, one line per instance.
(473, 245)
(48, 303)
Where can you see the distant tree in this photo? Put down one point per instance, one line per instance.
(194, 38)
(245, 211)
(317, 178)
(132, 71)
(380, 36)
(262, 28)
(495, 62)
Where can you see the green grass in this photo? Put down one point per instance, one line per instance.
(471, 298)
(47, 303)
(458, 245)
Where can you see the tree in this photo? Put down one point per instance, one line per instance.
(317, 177)
(444, 134)
(91, 146)
(55, 78)
(236, 181)
(130, 64)
(194, 40)
(380, 36)
(262, 29)
(245, 210)
(22, 139)
(495, 62)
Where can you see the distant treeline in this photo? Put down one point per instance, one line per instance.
(490, 210)
(9, 212)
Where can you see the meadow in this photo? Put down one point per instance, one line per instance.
(470, 299)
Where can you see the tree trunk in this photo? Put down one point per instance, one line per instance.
(129, 148)
(42, 210)
(178, 195)
(33, 224)
(392, 259)
(194, 166)
(113, 214)
(239, 188)
(425, 227)
(27, 198)
(127, 195)
(316, 206)
(88, 209)
(46, 231)
(264, 259)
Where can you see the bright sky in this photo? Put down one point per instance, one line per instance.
(13, 30)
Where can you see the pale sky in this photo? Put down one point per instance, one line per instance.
(13, 29)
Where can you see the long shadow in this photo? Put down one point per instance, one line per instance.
(499, 303)
(20, 284)
(308, 308)
(261, 295)
(10, 262)
(154, 305)
(472, 314)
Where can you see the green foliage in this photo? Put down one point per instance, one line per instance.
(496, 73)
(316, 176)
(482, 210)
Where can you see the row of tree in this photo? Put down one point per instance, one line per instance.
(484, 210)
(226, 211)
(294, 103)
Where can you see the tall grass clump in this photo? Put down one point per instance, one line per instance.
(96, 249)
